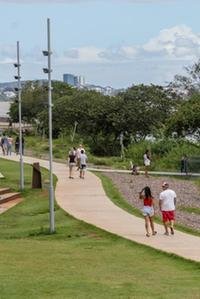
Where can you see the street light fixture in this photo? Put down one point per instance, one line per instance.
(17, 65)
(16, 77)
(45, 70)
(46, 53)
(18, 90)
(48, 71)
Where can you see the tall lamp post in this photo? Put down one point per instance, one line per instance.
(48, 71)
(74, 131)
(18, 89)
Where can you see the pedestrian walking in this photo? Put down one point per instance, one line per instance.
(9, 145)
(147, 161)
(17, 145)
(72, 161)
(167, 205)
(148, 210)
(4, 144)
(184, 164)
(78, 156)
(83, 164)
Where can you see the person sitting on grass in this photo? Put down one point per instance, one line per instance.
(148, 210)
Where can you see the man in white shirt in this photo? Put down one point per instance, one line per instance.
(78, 155)
(83, 164)
(167, 204)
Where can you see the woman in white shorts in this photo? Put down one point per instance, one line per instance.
(148, 210)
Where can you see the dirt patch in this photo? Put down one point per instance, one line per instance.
(188, 194)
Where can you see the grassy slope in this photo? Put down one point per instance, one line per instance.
(80, 261)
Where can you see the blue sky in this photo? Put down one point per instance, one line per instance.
(113, 42)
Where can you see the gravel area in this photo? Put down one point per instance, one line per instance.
(188, 194)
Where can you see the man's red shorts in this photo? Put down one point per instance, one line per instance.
(168, 215)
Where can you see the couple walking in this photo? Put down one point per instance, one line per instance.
(79, 158)
(167, 204)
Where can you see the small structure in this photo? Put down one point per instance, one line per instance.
(37, 177)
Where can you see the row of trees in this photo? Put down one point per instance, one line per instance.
(137, 112)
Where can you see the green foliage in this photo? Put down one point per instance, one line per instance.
(187, 119)
(172, 160)
(135, 151)
(137, 112)
(146, 108)
(34, 99)
(166, 154)
(190, 83)
(190, 210)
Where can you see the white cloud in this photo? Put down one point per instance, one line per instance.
(178, 42)
(157, 60)
(119, 53)
(81, 55)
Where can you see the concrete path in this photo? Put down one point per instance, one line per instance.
(86, 200)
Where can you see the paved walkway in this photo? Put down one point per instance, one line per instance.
(86, 200)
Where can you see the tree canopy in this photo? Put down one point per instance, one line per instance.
(101, 120)
(186, 120)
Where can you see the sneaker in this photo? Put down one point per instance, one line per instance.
(166, 234)
(154, 233)
(172, 230)
(148, 235)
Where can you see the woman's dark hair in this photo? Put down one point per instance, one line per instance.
(147, 192)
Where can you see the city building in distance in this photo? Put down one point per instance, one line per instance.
(72, 80)
(79, 82)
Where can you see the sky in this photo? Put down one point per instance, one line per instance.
(114, 43)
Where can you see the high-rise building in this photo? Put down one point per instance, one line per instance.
(81, 80)
(74, 80)
(69, 79)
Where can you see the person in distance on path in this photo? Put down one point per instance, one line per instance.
(167, 205)
(71, 161)
(83, 164)
(147, 162)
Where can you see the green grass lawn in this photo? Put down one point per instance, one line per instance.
(79, 261)
(191, 210)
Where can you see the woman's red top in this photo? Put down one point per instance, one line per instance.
(148, 201)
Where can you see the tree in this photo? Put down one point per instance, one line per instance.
(34, 99)
(146, 109)
(101, 119)
(186, 120)
(188, 84)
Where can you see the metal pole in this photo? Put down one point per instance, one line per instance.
(51, 189)
(20, 121)
(121, 139)
(74, 130)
